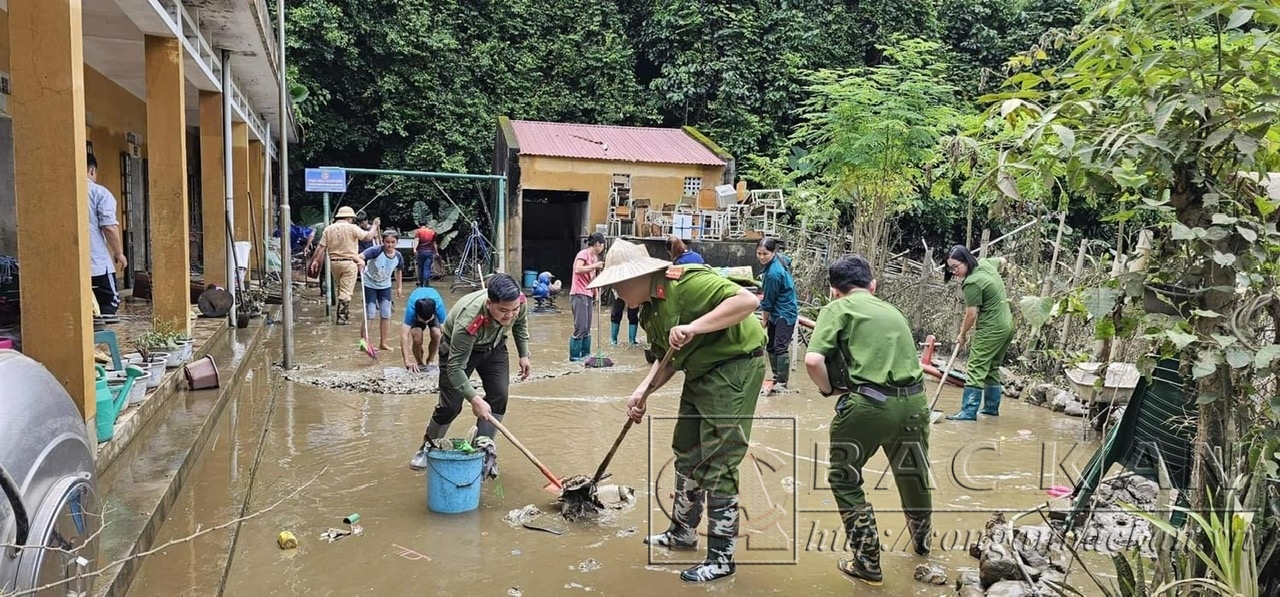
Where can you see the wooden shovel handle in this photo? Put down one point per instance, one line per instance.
(942, 381)
(534, 459)
(644, 398)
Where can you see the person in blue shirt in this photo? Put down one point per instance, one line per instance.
(422, 318)
(778, 308)
(680, 253)
(379, 263)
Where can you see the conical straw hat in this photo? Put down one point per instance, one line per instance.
(625, 261)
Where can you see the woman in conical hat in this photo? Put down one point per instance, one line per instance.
(719, 345)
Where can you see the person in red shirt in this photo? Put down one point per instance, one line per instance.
(424, 248)
(585, 267)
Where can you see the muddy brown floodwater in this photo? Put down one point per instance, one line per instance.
(358, 443)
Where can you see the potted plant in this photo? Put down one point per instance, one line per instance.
(153, 361)
(164, 337)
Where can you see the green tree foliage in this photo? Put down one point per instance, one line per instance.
(872, 135)
(419, 84)
(1168, 107)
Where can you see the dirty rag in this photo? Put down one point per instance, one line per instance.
(490, 468)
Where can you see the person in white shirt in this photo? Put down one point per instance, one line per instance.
(106, 249)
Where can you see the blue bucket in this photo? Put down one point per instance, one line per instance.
(453, 480)
(530, 278)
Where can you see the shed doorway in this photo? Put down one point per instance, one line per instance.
(553, 230)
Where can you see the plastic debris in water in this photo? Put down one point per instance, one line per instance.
(286, 540)
(514, 592)
(462, 445)
(516, 552)
(590, 565)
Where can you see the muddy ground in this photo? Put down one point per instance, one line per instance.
(343, 421)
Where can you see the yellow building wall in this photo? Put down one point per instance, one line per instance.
(111, 111)
(659, 183)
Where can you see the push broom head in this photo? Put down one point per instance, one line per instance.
(368, 349)
(598, 362)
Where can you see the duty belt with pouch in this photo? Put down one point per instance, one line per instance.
(878, 393)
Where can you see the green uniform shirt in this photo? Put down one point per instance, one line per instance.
(871, 338)
(984, 289)
(683, 294)
(468, 326)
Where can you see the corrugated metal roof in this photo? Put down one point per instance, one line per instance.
(618, 143)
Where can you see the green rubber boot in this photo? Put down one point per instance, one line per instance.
(613, 333)
(631, 334)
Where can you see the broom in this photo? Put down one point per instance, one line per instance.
(364, 318)
(600, 360)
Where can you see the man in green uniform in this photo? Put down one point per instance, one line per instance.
(987, 305)
(708, 320)
(475, 339)
(863, 351)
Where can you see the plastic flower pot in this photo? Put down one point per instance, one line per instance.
(186, 347)
(155, 369)
(174, 358)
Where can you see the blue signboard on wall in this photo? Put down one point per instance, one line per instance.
(326, 180)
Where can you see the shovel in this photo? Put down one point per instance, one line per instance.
(555, 485)
(586, 491)
(936, 415)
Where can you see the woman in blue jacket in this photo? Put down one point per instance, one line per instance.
(779, 308)
(680, 253)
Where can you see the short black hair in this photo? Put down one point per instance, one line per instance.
(595, 239)
(93, 162)
(503, 288)
(959, 253)
(391, 233)
(850, 272)
(425, 305)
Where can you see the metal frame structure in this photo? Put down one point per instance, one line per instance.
(500, 225)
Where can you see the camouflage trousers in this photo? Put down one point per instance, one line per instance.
(716, 411)
(861, 428)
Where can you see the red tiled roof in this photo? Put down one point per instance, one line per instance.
(618, 143)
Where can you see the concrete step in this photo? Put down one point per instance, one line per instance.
(142, 482)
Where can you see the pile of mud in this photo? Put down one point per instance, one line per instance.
(397, 380)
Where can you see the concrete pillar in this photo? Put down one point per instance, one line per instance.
(255, 202)
(167, 168)
(240, 172)
(212, 193)
(47, 104)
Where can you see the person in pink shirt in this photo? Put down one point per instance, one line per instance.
(585, 267)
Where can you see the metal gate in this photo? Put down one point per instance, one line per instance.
(133, 191)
